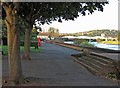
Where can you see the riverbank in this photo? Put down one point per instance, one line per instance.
(98, 45)
(111, 42)
(101, 51)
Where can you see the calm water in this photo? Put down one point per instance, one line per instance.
(106, 46)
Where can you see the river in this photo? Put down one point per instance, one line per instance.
(105, 46)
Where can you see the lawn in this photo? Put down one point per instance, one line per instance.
(32, 49)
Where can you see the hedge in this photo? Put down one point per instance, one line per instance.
(32, 43)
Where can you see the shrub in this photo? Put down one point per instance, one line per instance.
(33, 43)
(65, 39)
(79, 41)
(4, 39)
(86, 44)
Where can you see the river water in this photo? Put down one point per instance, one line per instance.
(105, 46)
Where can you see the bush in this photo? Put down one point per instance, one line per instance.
(4, 39)
(86, 44)
(79, 41)
(33, 43)
(65, 39)
(22, 43)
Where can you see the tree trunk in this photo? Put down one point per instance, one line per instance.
(14, 61)
(26, 55)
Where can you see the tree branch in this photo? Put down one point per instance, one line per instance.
(5, 6)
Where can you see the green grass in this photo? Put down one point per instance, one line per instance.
(4, 49)
(32, 49)
(87, 44)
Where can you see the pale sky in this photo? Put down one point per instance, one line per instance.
(108, 19)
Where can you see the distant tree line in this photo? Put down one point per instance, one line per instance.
(92, 33)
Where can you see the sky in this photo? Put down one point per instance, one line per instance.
(108, 19)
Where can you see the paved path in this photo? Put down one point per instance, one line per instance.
(54, 66)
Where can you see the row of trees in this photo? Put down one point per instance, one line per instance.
(92, 33)
(15, 12)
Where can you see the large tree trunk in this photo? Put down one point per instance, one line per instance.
(14, 61)
(26, 54)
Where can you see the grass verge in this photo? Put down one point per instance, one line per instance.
(32, 49)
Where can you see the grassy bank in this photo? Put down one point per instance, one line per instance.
(111, 42)
(83, 42)
(32, 49)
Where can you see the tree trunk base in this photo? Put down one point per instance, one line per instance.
(8, 82)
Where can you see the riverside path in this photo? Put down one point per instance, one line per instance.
(54, 66)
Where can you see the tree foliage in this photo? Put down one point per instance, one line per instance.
(46, 12)
(107, 32)
(53, 32)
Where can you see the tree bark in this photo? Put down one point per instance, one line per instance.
(28, 30)
(14, 61)
(26, 54)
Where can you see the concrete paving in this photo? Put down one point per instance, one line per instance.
(54, 66)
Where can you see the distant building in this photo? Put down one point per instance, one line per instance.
(102, 35)
(43, 35)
